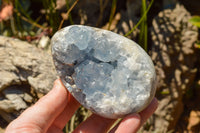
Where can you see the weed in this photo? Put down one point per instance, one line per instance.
(195, 20)
(143, 22)
(113, 9)
(51, 13)
(65, 16)
(143, 28)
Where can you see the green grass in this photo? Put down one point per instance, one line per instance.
(112, 13)
(70, 16)
(51, 14)
(21, 25)
(143, 25)
(195, 20)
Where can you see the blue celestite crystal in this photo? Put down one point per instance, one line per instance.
(107, 73)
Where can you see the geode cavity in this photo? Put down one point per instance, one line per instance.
(106, 72)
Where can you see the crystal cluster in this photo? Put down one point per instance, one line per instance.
(107, 73)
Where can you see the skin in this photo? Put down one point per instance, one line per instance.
(51, 113)
(6, 12)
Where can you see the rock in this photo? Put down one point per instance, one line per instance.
(27, 98)
(14, 96)
(107, 73)
(2, 130)
(44, 41)
(194, 121)
(21, 62)
(25, 73)
(174, 55)
(6, 105)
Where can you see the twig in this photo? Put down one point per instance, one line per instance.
(70, 16)
(66, 15)
(29, 21)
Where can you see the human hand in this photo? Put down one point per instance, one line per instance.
(51, 113)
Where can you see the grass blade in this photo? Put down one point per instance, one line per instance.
(113, 9)
(70, 16)
(66, 15)
(143, 28)
(195, 21)
(141, 19)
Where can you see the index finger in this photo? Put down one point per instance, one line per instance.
(67, 113)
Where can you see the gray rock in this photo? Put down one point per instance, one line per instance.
(21, 62)
(16, 97)
(44, 41)
(107, 73)
(25, 73)
(27, 98)
(7, 105)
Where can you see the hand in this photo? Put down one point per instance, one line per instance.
(51, 113)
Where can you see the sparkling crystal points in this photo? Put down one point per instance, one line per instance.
(107, 73)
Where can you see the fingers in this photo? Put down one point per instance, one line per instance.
(132, 123)
(57, 107)
(146, 113)
(95, 124)
(129, 124)
(65, 116)
(43, 113)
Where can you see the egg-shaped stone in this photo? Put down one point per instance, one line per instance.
(107, 73)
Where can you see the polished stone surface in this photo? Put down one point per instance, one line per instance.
(106, 72)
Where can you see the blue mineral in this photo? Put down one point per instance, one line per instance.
(106, 72)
